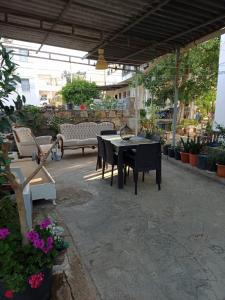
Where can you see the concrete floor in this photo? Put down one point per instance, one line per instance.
(167, 244)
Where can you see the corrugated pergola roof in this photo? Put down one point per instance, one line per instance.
(130, 31)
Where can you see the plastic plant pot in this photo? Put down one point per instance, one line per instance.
(202, 162)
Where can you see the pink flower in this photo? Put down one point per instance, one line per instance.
(45, 223)
(36, 280)
(8, 294)
(4, 232)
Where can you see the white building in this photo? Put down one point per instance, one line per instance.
(220, 98)
(43, 78)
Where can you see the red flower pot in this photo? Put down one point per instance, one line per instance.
(220, 170)
(184, 157)
(193, 159)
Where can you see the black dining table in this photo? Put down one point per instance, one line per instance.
(120, 146)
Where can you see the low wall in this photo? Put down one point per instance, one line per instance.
(118, 117)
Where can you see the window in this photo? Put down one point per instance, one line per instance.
(23, 55)
(124, 94)
(25, 85)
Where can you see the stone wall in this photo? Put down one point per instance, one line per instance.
(118, 117)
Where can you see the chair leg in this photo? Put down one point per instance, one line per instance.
(103, 169)
(111, 183)
(135, 181)
(158, 179)
(97, 163)
(125, 174)
(143, 176)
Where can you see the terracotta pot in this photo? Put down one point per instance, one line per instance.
(193, 159)
(220, 170)
(184, 157)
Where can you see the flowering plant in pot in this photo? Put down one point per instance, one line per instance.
(220, 163)
(185, 149)
(26, 269)
(195, 147)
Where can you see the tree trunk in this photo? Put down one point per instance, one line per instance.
(22, 214)
(181, 112)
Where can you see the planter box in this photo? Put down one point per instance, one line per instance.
(41, 293)
(42, 186)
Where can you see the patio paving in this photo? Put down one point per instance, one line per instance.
(167, 244)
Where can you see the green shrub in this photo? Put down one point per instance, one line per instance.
(79, 91)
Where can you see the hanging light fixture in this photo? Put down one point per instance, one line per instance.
(101, 62)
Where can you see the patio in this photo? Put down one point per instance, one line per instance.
(164, 244)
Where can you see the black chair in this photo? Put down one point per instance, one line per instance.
(110, 157)
(108, 132)
(146, 158)
(101, 155)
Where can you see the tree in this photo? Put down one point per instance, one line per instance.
(79, 91)
(197, 75)
(7, 86)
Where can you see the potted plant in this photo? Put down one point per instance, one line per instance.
(177, 155)
(194, 150)
(185, 148)
(220, 163)
(165, 149)
(26, 269)
(171, 151)
(211, 162)
(202, 161)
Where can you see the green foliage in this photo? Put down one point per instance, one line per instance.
(143, 113)
(31, 116)
(8, 82)
(18, 262)
(195, 146)
(8, 213)
(185, 146)
(188, 122)
(55, 121)
(220, 159)
(109, 103)
(197, 75)
(79, 91)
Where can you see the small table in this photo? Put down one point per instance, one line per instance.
(121, 146)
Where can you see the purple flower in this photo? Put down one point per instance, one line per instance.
(39, 243)
(4, 232)
(32, 235)
(50, 240)
(45, 223)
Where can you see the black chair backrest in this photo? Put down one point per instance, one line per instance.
(109, 151)
(148, 157)
(101, 147)
(108, 132)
